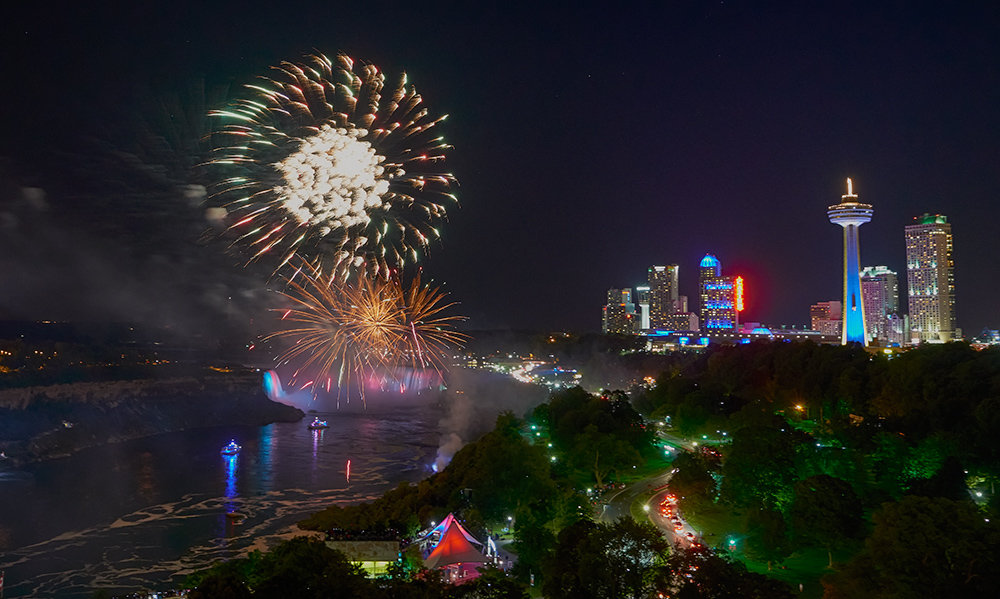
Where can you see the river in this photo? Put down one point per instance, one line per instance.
(141, 514)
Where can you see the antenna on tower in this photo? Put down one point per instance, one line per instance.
(850, 190)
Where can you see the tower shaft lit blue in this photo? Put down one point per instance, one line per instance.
(851, 214)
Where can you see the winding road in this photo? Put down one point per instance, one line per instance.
(619, 503)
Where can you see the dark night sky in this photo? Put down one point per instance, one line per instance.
(589, 143)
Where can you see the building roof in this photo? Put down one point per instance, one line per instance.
(710, 261)
(453, 548)
(450, 521)
(367, 551)
(931, 219)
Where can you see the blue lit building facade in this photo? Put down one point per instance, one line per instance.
(851, 214)
(718, 296)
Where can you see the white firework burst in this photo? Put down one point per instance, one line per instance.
(317, 163)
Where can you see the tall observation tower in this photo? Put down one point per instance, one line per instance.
(851, 214)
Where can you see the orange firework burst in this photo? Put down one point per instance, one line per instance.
(425, 333)
(371, 327)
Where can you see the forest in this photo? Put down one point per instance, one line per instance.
(885, 464)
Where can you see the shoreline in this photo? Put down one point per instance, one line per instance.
(56, 421)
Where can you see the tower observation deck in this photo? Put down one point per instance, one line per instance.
(851, 214)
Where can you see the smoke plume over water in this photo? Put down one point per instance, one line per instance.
(472, 403)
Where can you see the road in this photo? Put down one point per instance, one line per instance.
(677, 533)
(619, 504)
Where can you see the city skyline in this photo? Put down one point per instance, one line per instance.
(872, 290)
(740, 125)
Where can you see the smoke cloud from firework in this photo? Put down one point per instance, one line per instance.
(58, 271)
(111, 228)
(472, 403)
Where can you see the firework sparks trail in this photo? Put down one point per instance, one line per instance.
(370, 329)
(330, 170)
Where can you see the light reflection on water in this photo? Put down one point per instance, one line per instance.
(131, 515)
(317, 437)
(268, 448)
(229, 462)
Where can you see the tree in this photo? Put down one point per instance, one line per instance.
(425, 585)
(825, 512)
(760, 465)
(491, 584)
(533, 540)
(948, 482)
(700, 574)
(693, 478)
(500, 471)
(923, 547)
(767, 536)
(617, 561)
(222, 584)
(305, 567)
(602, 454)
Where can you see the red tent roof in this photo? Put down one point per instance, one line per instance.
(453, 548)
(450, 521)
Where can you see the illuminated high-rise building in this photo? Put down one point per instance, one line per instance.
(642, 299)
(825, 317)
(880, 293)
(930, 279)
(718, 295)
(619, 316)
(851, 214)
(663, 295)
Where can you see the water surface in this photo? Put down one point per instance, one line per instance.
(133, 515)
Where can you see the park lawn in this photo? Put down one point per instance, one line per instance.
(635, 510)
(716, 523)
(804, 567)
(712, 521)
(652, 467)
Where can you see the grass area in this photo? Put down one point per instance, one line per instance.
(805, 567)
(652, 467)
(636, 511)
(713, 521)
(718, 523)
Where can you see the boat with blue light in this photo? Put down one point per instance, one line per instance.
(231, 449)
(318, 424)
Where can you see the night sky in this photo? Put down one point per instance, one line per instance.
(589, 144)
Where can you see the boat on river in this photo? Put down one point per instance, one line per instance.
(318, 424)
(231, 449)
